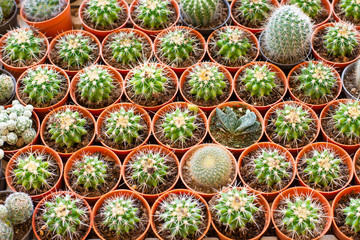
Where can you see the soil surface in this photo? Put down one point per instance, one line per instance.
(341, 14)
(350, 83)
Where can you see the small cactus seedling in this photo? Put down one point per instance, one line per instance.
(19, 207)
(351, 8)
(7, 87)
(259, 80)
(352, 214)
(6, 230)
(347, 118)
(341, 39)
(7, 7)
(200, 13)
(255, 11)
(103, 13)
(42, 10)
(311, 7)
(153, 14)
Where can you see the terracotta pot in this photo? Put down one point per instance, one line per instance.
(127, 30)
(9, 101)
(72, 73)
(165, 109)
(53, 26)
(343, 155)
(316, 107)
(170, 74)
(138, 110)
(357, 177)
(179, 70)
(81, 110)
(35, 148)
(235, 151)
(153, 33)
(337, 65)
(280, 74)
(315, 118)
(53, 195)
(337, 18)
(96, 111)
(349, 148)
(179, 192)
(77, 156)
(307, 192)
(269, 196)
(157, 148)
(101, 34)
(17, 71)
(11, 23)
(266, 208)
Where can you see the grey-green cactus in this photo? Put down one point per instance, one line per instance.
(259, 80)
(311, 7)
(341, 39)
(351, 8)
(347, 118)
(1, 16)
(7, 7)
(7, 87)
(200, 13)
(19, 207)
(352, 214)
(255, 11)
(6, 230)
(103, 13)
(153, 14)
(42, 10)
(3, 212)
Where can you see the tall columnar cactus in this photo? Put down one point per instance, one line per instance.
(287, 35)
(351, 8)
(6, 231)
(341, 39)
(311, 7)
(347, 118)
(154, 14)
(103, 13)
(255, 11)
(352, 214)
(95, 84)
(200, 13)
(120, 214)
(42, 10)
(19, 207)
(67, 127)
(7, 7)
(259, 80)
(7, 87)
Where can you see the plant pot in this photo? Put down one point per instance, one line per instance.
(306, 192)
(3, 185)
(356, 167)
(346, 72)
(339, 18)
(82, 111)
(153, 33)
(78, 155)
(316, 107)
(113, 195)
(42, 111)
(140, 34)
(165, 109)
(150, 197)
(207, 109)
(53, 26)
(179, 192)
(96, 111)
(279, 73)
(101, 34)
(235, 151)
(172, 78)
(72, 73)
(8, 102)
(11, 23)
(343, 155)
(35, 148)
(137, 109)
(269, 196)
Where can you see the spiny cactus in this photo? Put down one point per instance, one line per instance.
(6, 231)
(351, 8)
(352, 214)
(3, 212)
(310, 7)
(255, 11)
(19, 207)
(259, 80)
(42, 10)
(103, 12)
(287, 35)
(200, 13)
(7, 7)
(341, 39)
(347, 118)
(153, 14)
(7, 87)
(357, 73)
(67, 127)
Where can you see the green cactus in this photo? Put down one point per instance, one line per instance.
(7, 87)
(351, 8)
(255, 11)
(153, 14)
(347, 118)
(259, 80)
(200, 13)
(103, 13)
(6, 231)
(42, 10)
(352, 214)
(7, 7)
(341, 39)
(311, 7)
(19, 207)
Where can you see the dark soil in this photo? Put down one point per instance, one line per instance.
(350, 83)
(5, 20)
(341, 14)
(322, 15)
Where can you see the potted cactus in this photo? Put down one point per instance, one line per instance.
(239, 213)
(206, 85)
(180, 214)
(179, 126)
(62, 215)
(260, 84)
(103, 17)
(356, 161)
(96, 87)
(67, 129)
(151, 85)
(123, 127)
(73, 50)
(92, 172)
(7, 87)
(8, 15)
(125, 49)
(347, 11)
(267, 168)
(350, 79)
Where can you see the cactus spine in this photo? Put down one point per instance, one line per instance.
(153, 13)
(6, 230)
(259, 80)
(103, 12)
(7, 7)
(310, 7)
(351, 8)
(341, 39)
(200, 13)
(255, 11)
(19, 207)
(7, 88)
(347, 118)
(352, 214)
(42, 10)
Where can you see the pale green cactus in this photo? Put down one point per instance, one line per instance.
(42, 10)
(19, 207)
(6, 230)
(7, 87)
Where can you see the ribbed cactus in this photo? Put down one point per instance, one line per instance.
(6, 230)
(19, 207)
(341, 39)
(287, 35)
(7, 87)
(67, 127)
(153, 14)
(352, 214)
(259, 80)
(42, 10)
(200, 13)
(103, 13)
(351, 8)
(311, 7)
(255, 11)
(7, 7)
(347, 118)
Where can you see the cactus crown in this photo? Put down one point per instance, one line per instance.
(287, 35)
(352, 214)
(311, 7)
(103, 12)
(7, 87)
(341, 39)
(6, 230)
(351, 8)
(153, 14)
(255, 11)
(42, 10)
(200, 13)
(6, 7)
(19, 207)
(347, 118)
(259, 80)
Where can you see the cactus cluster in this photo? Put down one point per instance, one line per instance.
(42, 10)
(311, 7)
(351, 8)
(200, 13)
(259, 80)
(255, 11)
(7, 87)
(103, 13)
(351, 212)
(6, 9)
(347, 118)
(153, 14)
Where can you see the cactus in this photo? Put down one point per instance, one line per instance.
(6, 231)
(153, 14)
(200, 13)
(311, 7)
(351, 8)
(351, 212)
(95, 83)
(211, 166)
(347, 118)
(259, 80)
(1, 16)
(7, 87)
(287, 35)
(42, 10)
(3, 213)
(22, 47)
(19, 207)
(255, 11)
(90, 171)
(341, 39)
(103, 13)
(7, 7)
(357, 73)
(67, 127)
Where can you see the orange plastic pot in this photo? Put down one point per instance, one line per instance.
(35, 148)
(344, 156)
(138, 110)
(316, 107)
(166, 70)
(53, 26)
(73, 88)
(269, 196)
(280, 74)
(146, 148)
(100, 34)
(181, 192)
(295, 191)
(356, 157)
(81, 110)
